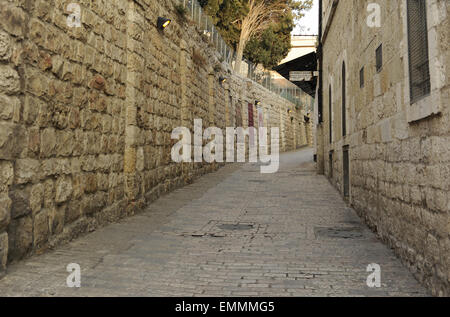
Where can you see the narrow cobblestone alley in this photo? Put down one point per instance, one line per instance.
(235, 232)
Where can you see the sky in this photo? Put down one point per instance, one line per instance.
(309, 24)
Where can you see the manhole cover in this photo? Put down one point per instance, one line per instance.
(339, 233)
(235, 227)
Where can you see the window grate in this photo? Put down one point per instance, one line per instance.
(419, 71)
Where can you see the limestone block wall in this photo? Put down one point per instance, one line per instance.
(399, 158)
(86, 114)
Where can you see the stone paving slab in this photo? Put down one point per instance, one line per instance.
(235, 232)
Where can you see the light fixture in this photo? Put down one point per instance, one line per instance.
(163, 23)
(207, 33)
(257, 102)
(222, 80)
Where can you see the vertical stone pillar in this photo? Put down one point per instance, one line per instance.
(131, 128)
(12, 132)
(227, 108)
(211, 92)
(186, 120)
(281, 111)
(320, 151)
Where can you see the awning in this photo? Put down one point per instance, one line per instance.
(304, 63)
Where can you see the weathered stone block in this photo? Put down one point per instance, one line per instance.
(40, 229)
(9, 80)
(48, 142)
(94, 203)
(73, 212)
(5, 46)
(12, 140)
(5, 211)
(98, 82)
(20, 202)
(90, 183)
(34, 141)
(6, 174)
(3, 251)
(20, 235)
(63, 189)
(130, 160)
(56, 219)
(65, 144)
(12, 19)
(8, 106)
(27, 170)
(36, 198)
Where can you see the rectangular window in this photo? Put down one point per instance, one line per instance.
(379, 58)
(361, 78)
(419, 71)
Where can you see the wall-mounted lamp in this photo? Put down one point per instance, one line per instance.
(163, 23)
(207, 33)
(257, 102)
(222, 80)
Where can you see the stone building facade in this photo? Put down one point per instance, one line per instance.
(384, 137)
(86, 114)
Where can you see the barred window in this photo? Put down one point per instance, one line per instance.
(419, 69)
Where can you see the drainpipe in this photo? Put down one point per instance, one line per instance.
(319, 158)
(320, 56)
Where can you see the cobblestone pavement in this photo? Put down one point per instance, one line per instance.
(235, 232)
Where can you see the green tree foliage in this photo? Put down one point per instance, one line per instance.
(272, 45)
(223, 14)
(268, 46)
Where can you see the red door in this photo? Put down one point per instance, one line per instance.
(251, 123)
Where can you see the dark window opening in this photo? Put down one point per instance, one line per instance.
(330, 111)
(361, 78)
(344, 104)
(419, 71)
(379, 57)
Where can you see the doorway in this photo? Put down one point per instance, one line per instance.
(346, 171)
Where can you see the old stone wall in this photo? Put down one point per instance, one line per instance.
(399, 152)
(86, 114)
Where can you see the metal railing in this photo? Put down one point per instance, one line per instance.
(269, 80)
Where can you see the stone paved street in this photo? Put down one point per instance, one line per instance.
(288, 243)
